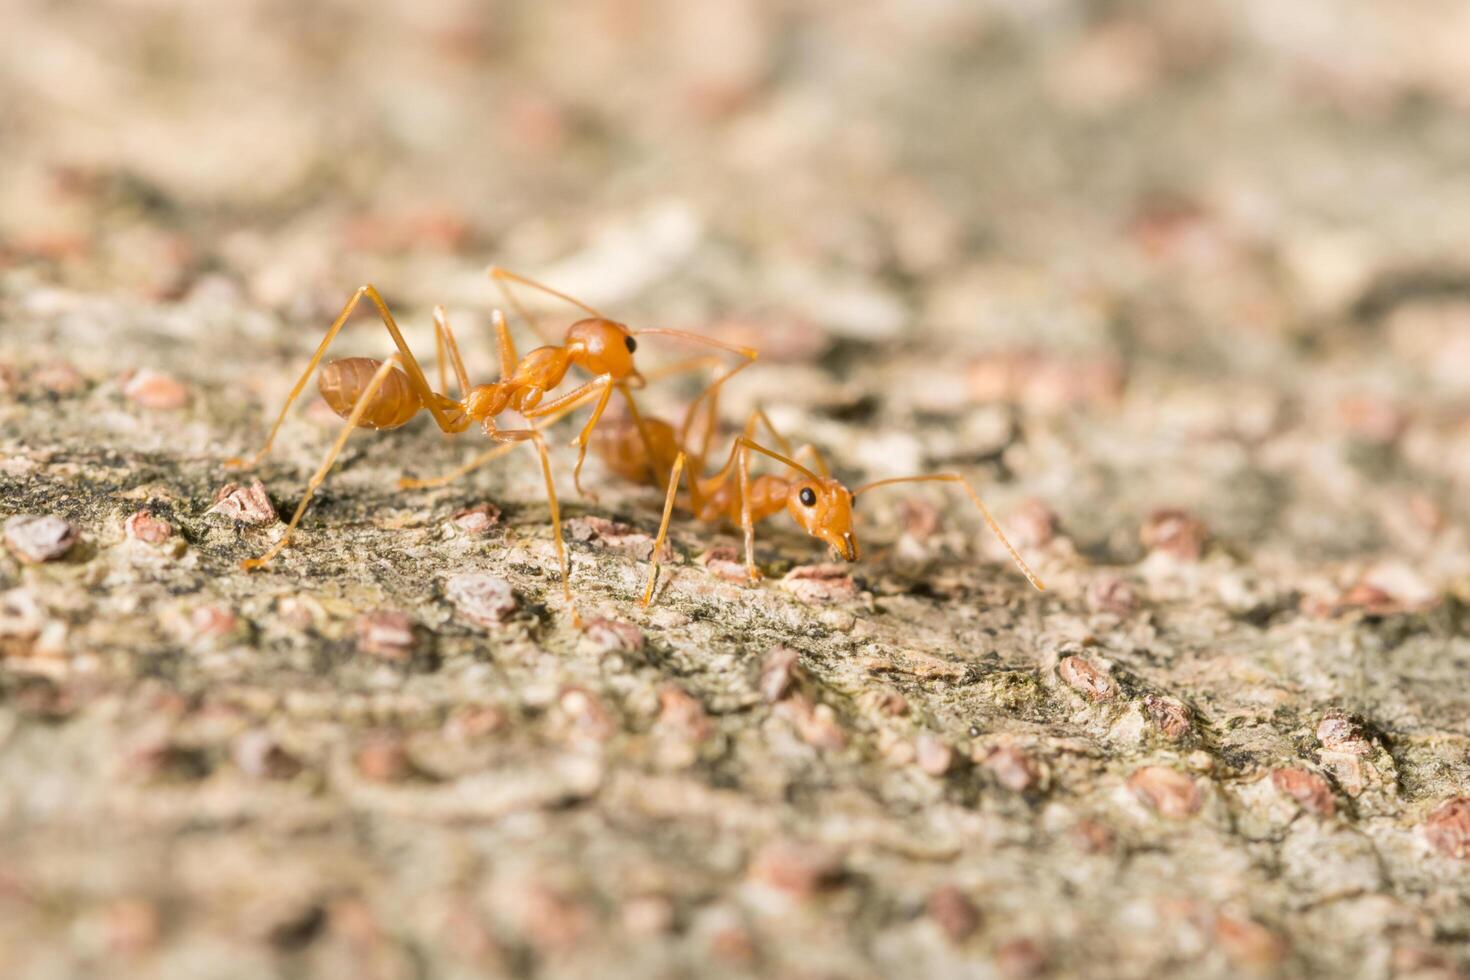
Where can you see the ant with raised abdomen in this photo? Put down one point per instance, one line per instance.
(375, 394)
(821, 505)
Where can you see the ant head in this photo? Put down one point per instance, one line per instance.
(823, 508)
(603, 347)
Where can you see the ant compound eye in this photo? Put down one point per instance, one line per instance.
(808, 497)
(632, 344)
(852, 497)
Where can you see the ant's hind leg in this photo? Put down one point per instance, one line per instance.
(408, 362)
(432, 402)
(237, 462)
(358, 410)
(490, 455)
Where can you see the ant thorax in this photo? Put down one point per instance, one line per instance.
(542, 368)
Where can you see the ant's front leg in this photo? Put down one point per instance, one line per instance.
(602, 386)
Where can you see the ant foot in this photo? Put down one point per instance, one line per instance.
(754, 575)
(237, 463)
(583, 492)
(251, 564)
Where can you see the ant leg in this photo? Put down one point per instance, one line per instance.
(749, 353)
(420, 384)
(759, 415)
(979, 505)
(642, 428)
(432, 401)
(446, 355)
(440, 356)
(444, 338)
(739, 461)
(603, 384)
(499, 276)
(787, 456)
(505, 345)
(358, 410)
(808, 448)
(237, 462)
(409, 483)
(514, 436)
(663, 527)
(746, 523)
(744, 442)
(816, 455)
(503, 278)
(668, 370)
(571, 399)
(710, 396)
(585, 437)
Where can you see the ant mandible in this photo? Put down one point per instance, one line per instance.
(374, 394)
(821, 505)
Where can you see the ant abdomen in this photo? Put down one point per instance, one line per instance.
(342, 383)
(623, 450)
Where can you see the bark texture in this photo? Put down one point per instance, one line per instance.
(1182, 290)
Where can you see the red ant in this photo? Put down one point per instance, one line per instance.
(821, 505)
(375, 394)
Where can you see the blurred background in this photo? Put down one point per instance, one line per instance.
(888, 169)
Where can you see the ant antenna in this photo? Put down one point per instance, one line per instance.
(980, 504)
(787, 460)
(749, 352)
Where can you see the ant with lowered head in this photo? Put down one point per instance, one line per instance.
(820, 505)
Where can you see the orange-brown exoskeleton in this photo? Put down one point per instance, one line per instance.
(597, 344)
(375, 394)
(819, 504)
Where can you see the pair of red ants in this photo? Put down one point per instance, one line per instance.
(373, 394)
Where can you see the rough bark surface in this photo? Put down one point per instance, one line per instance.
(1182, 289)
